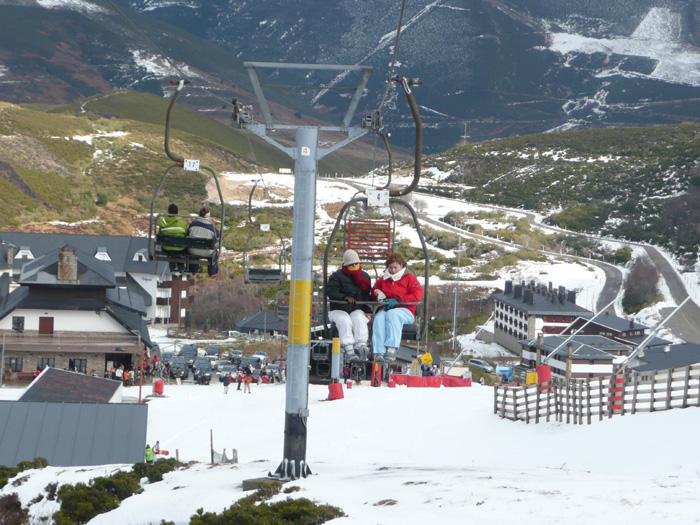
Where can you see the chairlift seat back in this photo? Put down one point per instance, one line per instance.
(371, 239)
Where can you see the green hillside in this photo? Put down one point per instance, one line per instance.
(56, 166)
(634, 183)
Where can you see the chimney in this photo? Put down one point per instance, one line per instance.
(509, 287)
(550, 286)
(631, 324)
(540, 340)
(11, 249)
(517, 291)
(67, 264)
(561, 298)
(528, 295)
(572, 297)
(667, 349)
(4, 285)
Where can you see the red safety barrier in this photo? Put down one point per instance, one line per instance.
(399, 379)
(159, 386)
(455, 381)
(391, 384)
(544, 374)
(348, 384)
(335, 391)
(430, 382)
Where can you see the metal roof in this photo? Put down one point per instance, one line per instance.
(71, 434)
(263, 322)
(667, 357)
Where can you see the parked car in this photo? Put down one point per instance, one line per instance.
(167, 357)
(201, 361)
(179, 367)
(274, 369)
(481, 365)
(189, 352)
(213, 361)
(262, 355)
(202, 374)
(280, 361)
(225, 369)
(235, 356)
(212, 350)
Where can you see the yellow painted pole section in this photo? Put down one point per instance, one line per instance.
(335, 348)
(300, 312)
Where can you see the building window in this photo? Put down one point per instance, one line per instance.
(18, 323)
(43, 362)
(183, 294)
(24, 253)
(102, 254)
(164, 293)
(13, 364)
(78, 365)
(140, 256)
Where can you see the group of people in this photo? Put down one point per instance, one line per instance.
(201, 228)
(352, 296)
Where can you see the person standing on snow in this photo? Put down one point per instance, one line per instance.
(227, 381)
(246, 383)
(149, 454)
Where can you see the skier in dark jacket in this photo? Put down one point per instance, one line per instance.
(203, 228)
(345, 287)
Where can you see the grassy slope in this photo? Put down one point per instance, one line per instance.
(618, 180)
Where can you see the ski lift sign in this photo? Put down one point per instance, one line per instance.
(378, 198)
(264, 227)
(191, 165)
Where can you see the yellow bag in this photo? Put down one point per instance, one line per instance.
(426, 359)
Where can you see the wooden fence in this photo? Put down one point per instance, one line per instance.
(579, 401)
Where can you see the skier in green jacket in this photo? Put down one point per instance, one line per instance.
(173, 226)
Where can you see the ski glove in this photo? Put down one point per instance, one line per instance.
(390, 303)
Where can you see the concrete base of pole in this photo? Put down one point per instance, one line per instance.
(293, 465)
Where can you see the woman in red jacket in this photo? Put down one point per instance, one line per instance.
(396, 286)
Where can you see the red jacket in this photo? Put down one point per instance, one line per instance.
(405, 290)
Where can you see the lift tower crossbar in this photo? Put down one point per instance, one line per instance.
(306, 155)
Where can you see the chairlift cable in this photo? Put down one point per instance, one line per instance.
(393, 59)
(143, 35)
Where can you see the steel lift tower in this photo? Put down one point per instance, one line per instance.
(306, 154)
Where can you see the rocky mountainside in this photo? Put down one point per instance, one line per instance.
(492, 68)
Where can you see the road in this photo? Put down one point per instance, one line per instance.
(684, 324)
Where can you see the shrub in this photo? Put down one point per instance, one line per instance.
(254, 509)
(11, 511)
(80, 503)
(154, 471)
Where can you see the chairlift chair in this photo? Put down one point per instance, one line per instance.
(193, 250)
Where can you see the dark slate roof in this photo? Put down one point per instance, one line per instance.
(262, 321)
(636, 340)
(131, 320)
(92, 272)
(543, 305)
(673, 356)
(70, 387)
(584, 346)
(69, 434)
(120, 248)
(619, 324)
